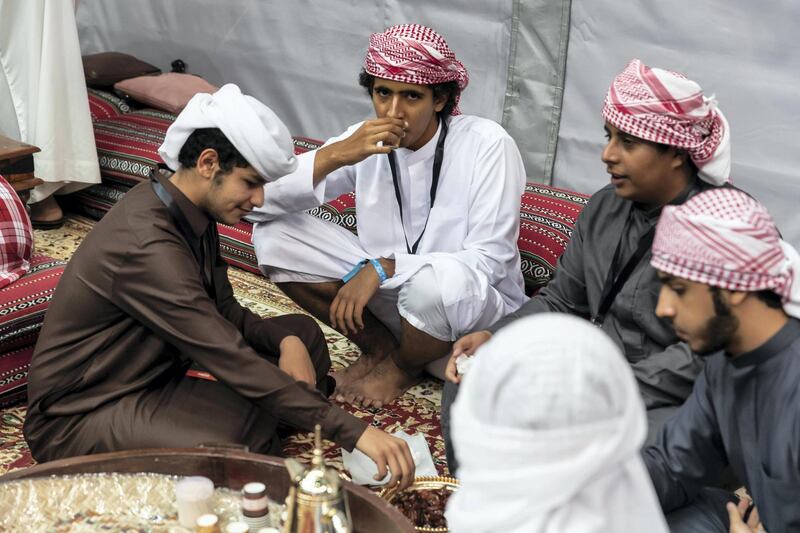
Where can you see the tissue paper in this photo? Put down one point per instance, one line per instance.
(363, 469)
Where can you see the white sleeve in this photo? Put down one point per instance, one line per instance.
(490, 246)
(295, 192)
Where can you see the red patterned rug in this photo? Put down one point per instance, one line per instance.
(417, 411)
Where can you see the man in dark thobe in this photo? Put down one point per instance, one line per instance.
(657, 153)
(146, 295)
(731, 288)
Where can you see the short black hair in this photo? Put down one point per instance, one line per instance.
(448, 88)
(770, 298)
(213, 138)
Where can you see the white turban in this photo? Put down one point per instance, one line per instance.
(253, 129)
(547, 428)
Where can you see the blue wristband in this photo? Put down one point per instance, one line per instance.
(347, 277)
(379, 269)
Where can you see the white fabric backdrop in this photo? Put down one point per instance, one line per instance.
(742, 51)
(301, 58)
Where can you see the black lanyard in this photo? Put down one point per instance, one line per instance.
(437, 167)
(185, 228)
(614, 281)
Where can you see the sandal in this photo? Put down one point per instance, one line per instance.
(47, 224)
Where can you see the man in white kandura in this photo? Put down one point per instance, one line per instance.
(437, 203)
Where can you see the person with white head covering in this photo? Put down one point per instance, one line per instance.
(666, 141)
(731, 288)
(548, 429)
(146, 296)
(437, 212)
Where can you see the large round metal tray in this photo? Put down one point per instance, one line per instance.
(226, 468)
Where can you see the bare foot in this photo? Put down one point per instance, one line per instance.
(357, 370)
(385, 383)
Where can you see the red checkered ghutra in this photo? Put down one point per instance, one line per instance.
(667, 108)
(725, 238)
(412, 53)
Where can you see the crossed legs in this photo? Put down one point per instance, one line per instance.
(389, 365)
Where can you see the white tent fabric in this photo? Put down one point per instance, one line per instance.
(738, 50)
(302, 59)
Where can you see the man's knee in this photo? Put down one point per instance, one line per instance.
(420, 303)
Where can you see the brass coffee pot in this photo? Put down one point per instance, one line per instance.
(316, 502)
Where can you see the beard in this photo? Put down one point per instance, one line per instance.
(719, 330)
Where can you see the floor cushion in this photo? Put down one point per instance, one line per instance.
(104, 105)
(22, 308)
(547, 216)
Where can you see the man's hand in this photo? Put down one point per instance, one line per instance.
(376, 136)
(736, 514)
(388, 451)
(347, 309)
(466, 345)
(295, 360)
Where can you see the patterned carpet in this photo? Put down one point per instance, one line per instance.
(417, 411)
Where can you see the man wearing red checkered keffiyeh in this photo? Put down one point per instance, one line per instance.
(437, 196)
(412, 53)
(731, 290)
(665, 107)
(666, 142)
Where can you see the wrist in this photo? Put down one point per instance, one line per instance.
(388, 266)
(382, 275)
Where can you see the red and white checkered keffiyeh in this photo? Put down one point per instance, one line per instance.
(725, 238)
(16, 236)
(412, 53)
(667, 108)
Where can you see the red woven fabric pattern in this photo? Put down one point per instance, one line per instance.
(104, 105)
(22, 308)
(236, 246)
(127, 145)
(547, 217)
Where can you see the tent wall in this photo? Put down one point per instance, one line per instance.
(741, 51)
(302, 58)
(527, 59)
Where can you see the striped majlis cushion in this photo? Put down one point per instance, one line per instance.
(22, 308)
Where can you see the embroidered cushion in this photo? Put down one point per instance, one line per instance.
(22, 308)
(103, 105)
(127, 145)
(169, 92)
(547, 216)
(107, 68)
